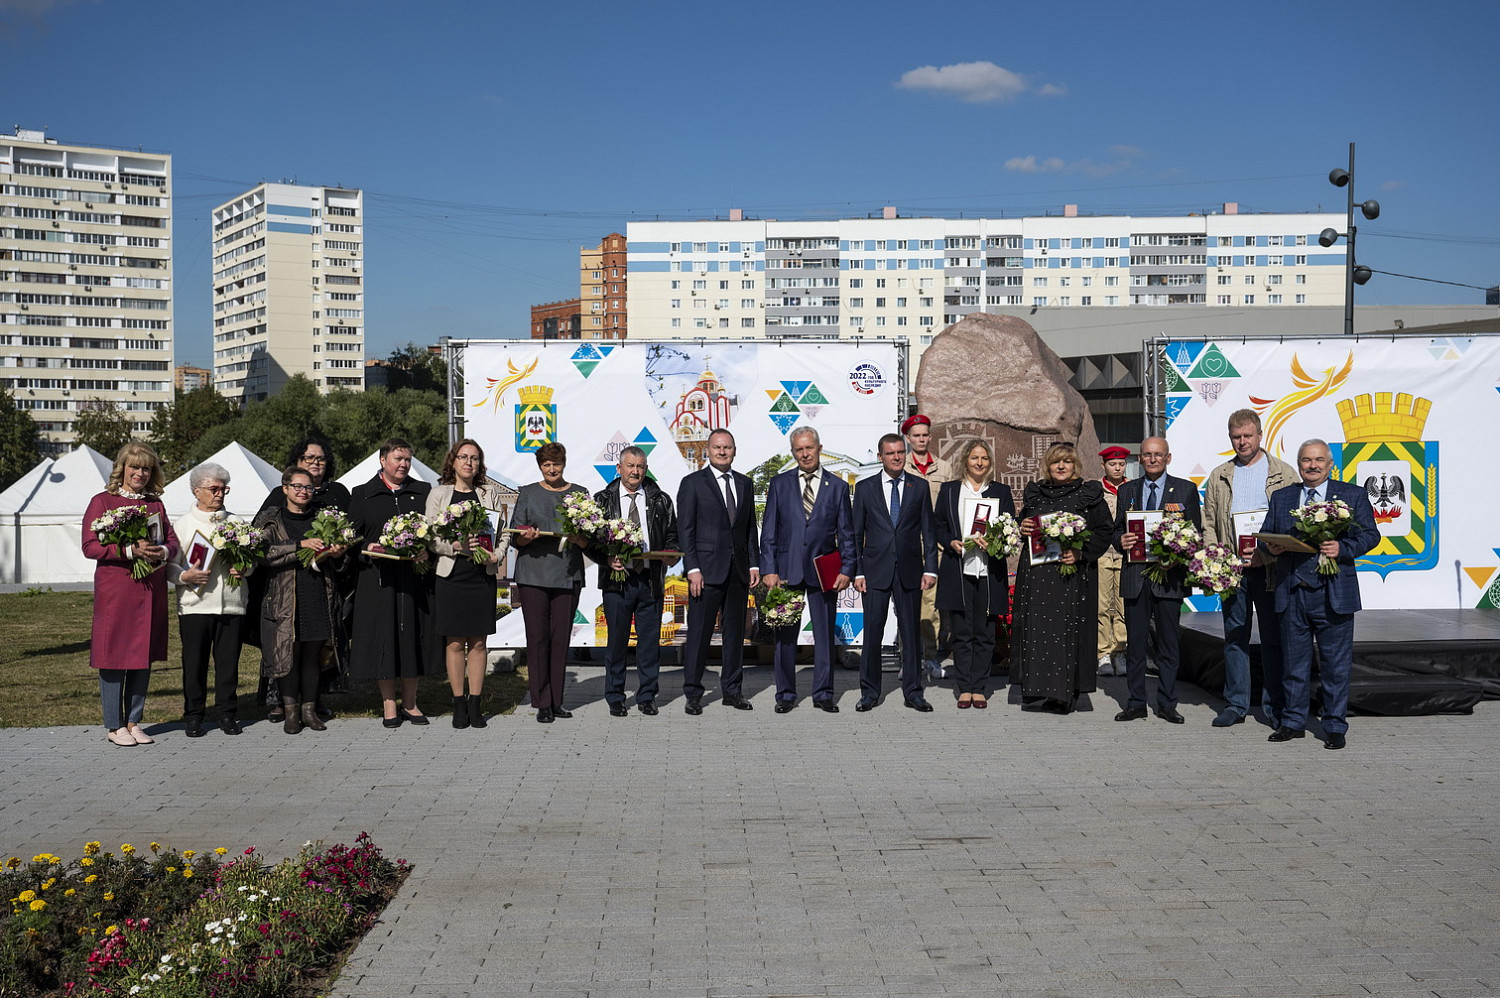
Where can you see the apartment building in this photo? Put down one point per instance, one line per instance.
(288, 296)
(85, 281)
(602, 289)
(187, 378)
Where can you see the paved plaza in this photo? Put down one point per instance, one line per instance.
(890, 853)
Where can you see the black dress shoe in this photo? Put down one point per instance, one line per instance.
(565, 715)
(1286, 734)
(1131, 714)
(1170, 715)
(407, 715)
(693, 706)
(195, 728)
(737, 702)
(389, 722)
(866, 705)
(648, 708)
(618, 710)
(826, 705)
(920, 704)
(785, 706)
(229, 726)
(1335, 741)
(544, 715)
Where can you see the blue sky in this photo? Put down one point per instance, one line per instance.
(494, 139)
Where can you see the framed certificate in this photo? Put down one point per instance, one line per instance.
(154, 532)
(1246, 526)
(1040, 550)
(200, 553)
(1139, 522)
(977, 512)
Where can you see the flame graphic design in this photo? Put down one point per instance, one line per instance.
(495, 393)
(1276, 412)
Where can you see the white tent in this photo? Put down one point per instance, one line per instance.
(370, 466)
(41, 519)
(250, 479)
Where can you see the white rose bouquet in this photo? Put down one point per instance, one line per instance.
(1172, 541)
(1001, 537)
(458, 522)
(124, 525)
(1070, 531)
(1215, 568)
(1325, 520)
(406, 535)
(781, 607)
(242, 543)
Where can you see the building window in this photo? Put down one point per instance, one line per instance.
(1301, 299)
(1273, 299)
(1249, 300)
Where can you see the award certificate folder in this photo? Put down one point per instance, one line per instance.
(829, 567)
(1040, 550)
(977, 512)
(1289, 542)
(1245, 526)
(200, 552)
(1139, 522)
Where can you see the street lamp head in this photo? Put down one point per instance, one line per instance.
(1338, 178)
(1328, 237)
(1362, 275)
(1371, 209)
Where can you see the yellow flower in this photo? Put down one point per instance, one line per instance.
(38, 904)
(171, 869)
(85, 862)
(188, 854)
(40, 857)
(127, 849)
(91, 878)
(27, 896)
(156, 847)
(187, 873)
(110, 930)
(92, 849)
(220, 851)
(13, 862)
(49, 883)
(69, 892)
(109, 895)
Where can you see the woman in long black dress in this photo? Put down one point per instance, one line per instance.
(1056, 615)
(464, 591)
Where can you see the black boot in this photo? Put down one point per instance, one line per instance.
(293, 715)
(310, 718)
(460, 712)
(476, 710)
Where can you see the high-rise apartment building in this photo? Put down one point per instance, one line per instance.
(602, 289)
(911, 277)
(85, 281)
(288, 272)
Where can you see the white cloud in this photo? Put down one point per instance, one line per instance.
(1030, 164)
(976, 82)
(1052, 90)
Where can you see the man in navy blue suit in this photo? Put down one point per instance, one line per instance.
(1145, 600)
(807, 515)
(720, 555)
(1317, 607)
(893, 532)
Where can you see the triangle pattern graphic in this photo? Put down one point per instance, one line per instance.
(606, 351)
(1182, 354)
(1213, 364)
(1174, 380)
(784, 421)
(1481, 576)
(1175, 407)
(606, 472)
(585, 367)
(645, 436)
(795, 388)
(813, 396)
(784, 404)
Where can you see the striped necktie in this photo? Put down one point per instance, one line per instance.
(807, 493)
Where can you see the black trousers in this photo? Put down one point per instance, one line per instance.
(730, 598)
(973, 637)
(205, 634)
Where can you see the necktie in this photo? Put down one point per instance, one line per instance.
(635, 512)
(895, 499)
(807, 493)
(1312, 495)
(1151, 502)
(728, 495)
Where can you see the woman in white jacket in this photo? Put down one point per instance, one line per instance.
(464, 592)
(210, 612)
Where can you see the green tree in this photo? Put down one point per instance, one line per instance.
(104, 426)
(420, 369)
(179, 426)
(269, 428)
(19, 452)
(356, 423)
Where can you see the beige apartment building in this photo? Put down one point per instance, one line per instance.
(288, 298)
(85, 281)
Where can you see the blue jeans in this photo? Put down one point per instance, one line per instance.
(1252, 599)
(122, 694)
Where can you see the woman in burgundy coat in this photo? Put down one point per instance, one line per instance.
(130, 615)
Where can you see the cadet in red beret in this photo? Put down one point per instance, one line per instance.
(1111, 607)
(920, 460)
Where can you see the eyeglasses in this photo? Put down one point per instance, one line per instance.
(312, 459)
(215, 490)
(299, 487)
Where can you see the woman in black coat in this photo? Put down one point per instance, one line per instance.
(973, 587)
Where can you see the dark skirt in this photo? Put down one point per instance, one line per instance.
(312, 607)
(464, 601)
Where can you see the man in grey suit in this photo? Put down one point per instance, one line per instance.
(1146, 600)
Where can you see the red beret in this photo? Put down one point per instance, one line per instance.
(1114, 454)
(917, 420)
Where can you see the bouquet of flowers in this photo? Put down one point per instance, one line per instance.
(407, 535)
(781, 607)
(459, 521)
(1172, 542)
(1070, 531)
(124, 525)
(1001, 537)
(1325, 520)
(581, 516)
(331, 527)
(621, 539)
(242, 543)
(1215, 568)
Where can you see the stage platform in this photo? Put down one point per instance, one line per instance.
(1405, 661)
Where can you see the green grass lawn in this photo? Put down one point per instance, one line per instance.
(45, 679)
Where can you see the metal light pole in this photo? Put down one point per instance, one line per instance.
(1353, 273)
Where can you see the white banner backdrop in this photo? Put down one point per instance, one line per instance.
(1401, 417)
(596, 398)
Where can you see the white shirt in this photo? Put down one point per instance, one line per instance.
(640, 505)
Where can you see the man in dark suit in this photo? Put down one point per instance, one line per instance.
(633, 496)
(807, 515)
(1145, 600)
(893, 532)
(720, 551)
(1315, 607)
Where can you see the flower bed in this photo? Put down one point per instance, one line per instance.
(188, 924)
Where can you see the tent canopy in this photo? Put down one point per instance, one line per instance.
(59, 488)
(370, 466)
(250, 479)
(41, 519)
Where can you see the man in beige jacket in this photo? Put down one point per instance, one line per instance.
(1236, 497)
(922, 460)
(1111, 607)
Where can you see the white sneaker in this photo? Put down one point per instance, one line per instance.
(1106, 666)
